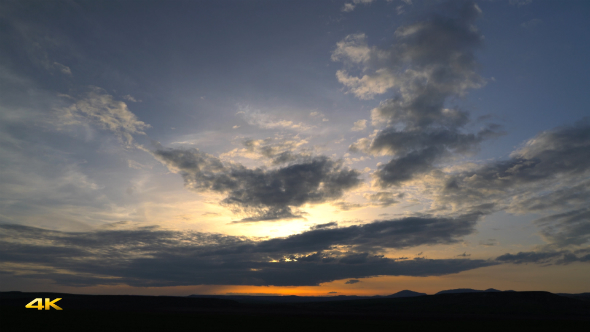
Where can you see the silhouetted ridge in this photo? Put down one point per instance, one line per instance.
(406, 293)
(466, 290)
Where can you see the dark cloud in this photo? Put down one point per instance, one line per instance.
(565, 229)
(347, 206)
(549, 174)
(154, 257)
(547, 257)
(352, 282)
(278, 151)
(384, 199)
(263, 194)
(430, 63)
(398, 234)
(557, 154)
(488, 242)
(326, 225)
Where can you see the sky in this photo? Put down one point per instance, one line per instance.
(337, 147)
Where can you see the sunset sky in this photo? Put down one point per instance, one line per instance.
(338, 147)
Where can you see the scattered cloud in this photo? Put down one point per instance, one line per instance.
(100, 108)
(531, 24)
(347, 206)
(350, 6)
(131, 98)
(520, 3)
(267, 121)
(352, 282)
(547, 257)
(430, 62)
(359, 125)
(260, 193)
(63, 69)
(383, 199)
(488, 242)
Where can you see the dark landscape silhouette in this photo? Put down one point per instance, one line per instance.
(460, 308)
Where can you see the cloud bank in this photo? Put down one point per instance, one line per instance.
(150, 256)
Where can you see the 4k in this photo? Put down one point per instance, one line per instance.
(39, 306)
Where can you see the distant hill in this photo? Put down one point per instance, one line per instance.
(261, 299)
(406, 293)
(466, 290)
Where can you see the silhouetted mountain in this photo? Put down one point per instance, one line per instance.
(281, 299)
(581, 296)
(466, 290)
(406, 293)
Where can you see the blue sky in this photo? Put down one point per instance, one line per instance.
(405, 144)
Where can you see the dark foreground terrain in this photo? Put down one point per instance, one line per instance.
(484, 311)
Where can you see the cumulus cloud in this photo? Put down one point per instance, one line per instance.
(429, 63)
(262, 194)
(154, 257)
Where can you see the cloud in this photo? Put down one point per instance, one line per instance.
(383, 199)
(63, 69)
(267, 121)
(488, 242)
(263, 194)
(154, 257)
(326, 225)
(429, 63)
(352, 282)
(568, 228)
(398, 234)
(100, 108)
(350, 6)
(548, 175)
(548, 172)
(278, 150)
(531, 24)
(547, 257)
(131, 98)
(520, 3)
(359, 125)
(347, 206)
